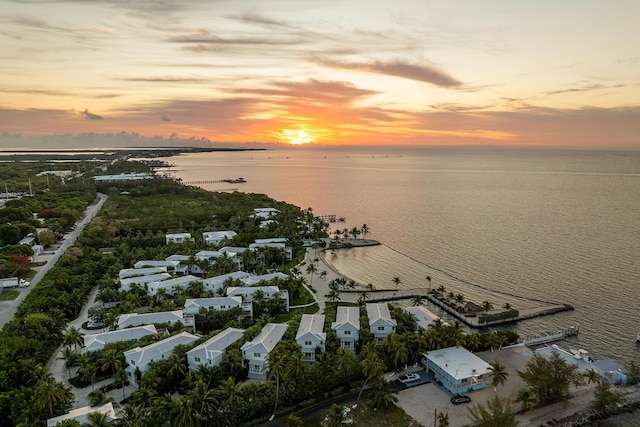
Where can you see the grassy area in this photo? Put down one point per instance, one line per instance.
(8, 295)
(364, 415)
(312, 309)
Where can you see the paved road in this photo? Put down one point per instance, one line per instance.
(8, 308)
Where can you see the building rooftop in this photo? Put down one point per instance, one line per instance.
(458, 362)
(312, 323)
(219, 343)
(143, 354)
(346, 315)
(269, 337)
(376, 312)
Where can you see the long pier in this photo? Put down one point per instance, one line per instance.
(332, 218)
(217, 181)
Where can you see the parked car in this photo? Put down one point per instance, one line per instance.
(437, 381)
(459, 398)
(407, 378)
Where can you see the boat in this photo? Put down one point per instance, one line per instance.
(638, 337)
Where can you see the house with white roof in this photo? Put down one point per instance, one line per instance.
(459, 370)
(124, 177)
(126, 284)
(310, 336)
(264, 278)
(256, 352)
(170, 285)
(212, 256)
(154, 318)
(134, 272)
(169, 265)
(347, 326)
(139, 358)
(216, 237)
(211, 352)
(192, 306)
(81, 415)
(267, 223)
(380, 322)
(422, 317)
(183, 263)
(95, 342)
(214, 283)
(269, 292)
(179, 238)
(274, 242)
(265, 213)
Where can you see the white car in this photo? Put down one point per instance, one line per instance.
(407, 378)
(24, 284)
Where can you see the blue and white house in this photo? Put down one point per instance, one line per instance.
(459, 370)
(347, 326)
(310, 336)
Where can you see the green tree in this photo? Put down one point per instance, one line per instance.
(70, 358)
(73, 337)
(97, 419)
(497, 412)
(384, 396)
(334, 416)
(417, 300)
(293, 421)
(443, 419)
(51, 398)
(396, 281)
(550, 379)
(177, 367)
(633, 372)
(499, 374)
(525, 398)
(606, 399)
(372, 366)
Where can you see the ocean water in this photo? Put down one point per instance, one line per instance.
(525, 227)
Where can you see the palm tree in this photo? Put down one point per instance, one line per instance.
(498, 374)
(51, 396)
(396, 280)
(333, 296)
(183, 414)
(111, 359)
(443, 419)
(177, 367)
(97, 419)
(417, 300)
(277, 367)
(365, 230)
(372, 366)
(370, 287)
(459, 299)
(73, 337)
(384, 396)
(323, 274)
(122, 377)
(429, 280)
(203, 400)
(487, 306)
(334, 416)
(507, 306)
(70, 357)
(526, 399)
(311, 270)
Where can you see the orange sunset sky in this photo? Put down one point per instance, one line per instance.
(412, 72)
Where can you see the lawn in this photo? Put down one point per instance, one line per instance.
(8, 295)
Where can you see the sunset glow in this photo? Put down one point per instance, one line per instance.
(317, 72)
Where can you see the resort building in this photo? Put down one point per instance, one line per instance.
(310, 336)
(155, 318)
(139, 358)
(127, 283)
(422, 317)
(347, 327)
(380, 322)
(134, 272)
(183, 263)
(124, 177)
(213, 284)
(611, 371)
(217, 237)
(193, 306)
(170, 285)
(81, 415)
(275, 242)
(213, 256)
(179, 238)
(95, 342)
(252, 280)
(248, 294)
(459, 370)
(256, 352)
(169, 265)
(265, 213)
(211, 352)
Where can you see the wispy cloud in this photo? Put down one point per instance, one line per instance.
(397, 68)
(91, 116)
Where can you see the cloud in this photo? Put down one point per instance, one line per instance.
(91, 116)
(397, 68)
(334, 92)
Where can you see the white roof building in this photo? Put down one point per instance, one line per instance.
(214, 283)
(126, 284)
(212, 351)
(459, 370)
(216, 237)
(81, 415)
(422, 317)
(265, 213)
(265, 278)
(95, 342)
(310, 335)
(192, 306)
(170, 285)
(380, 322)
(178, 238)
(182, 263)
(347, 326)
(124, 177)
(133, 272)
(256, 352)
(140, 358)
(136, 319)
(269, 292)
(169, 265)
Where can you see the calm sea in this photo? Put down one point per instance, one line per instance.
(511, 226)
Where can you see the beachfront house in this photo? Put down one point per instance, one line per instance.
(380, 322)
(421, 316)
(310, 336)
(256, 352)
(217, 237)
(347, 327)
(211, 352)
(179, 238)
(611, 371)
(265, 213)
(95, 342)
(138, 359)
(81, 415)
(128, 320)
(459, 370)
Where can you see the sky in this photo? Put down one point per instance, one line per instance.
(504, 73)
